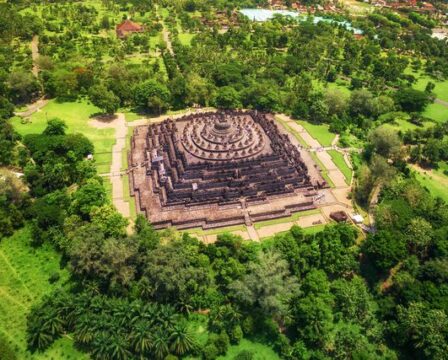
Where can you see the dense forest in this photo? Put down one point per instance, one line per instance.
(137, 293)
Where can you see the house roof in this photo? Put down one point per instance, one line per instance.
(129, 25)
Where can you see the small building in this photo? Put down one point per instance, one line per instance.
(128, 27)
(357, 218)
(339, 216)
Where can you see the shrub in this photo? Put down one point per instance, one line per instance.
(236, 335)
(210, 352)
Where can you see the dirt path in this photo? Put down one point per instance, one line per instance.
(32, 108)
(441, 102)
(35, 54)
(165, 34)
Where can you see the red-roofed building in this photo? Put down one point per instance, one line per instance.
(128, 27)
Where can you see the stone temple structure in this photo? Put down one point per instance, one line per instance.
(219, 169)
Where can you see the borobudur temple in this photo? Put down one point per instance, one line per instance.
(219, 169)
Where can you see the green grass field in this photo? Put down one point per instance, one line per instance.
(293, 217)
(185, 38)
(441, 87)
(24, 274)
(435, 181)
(404, 125)
(76, 115)
(339, 161)
(436, 112)
(319, 132)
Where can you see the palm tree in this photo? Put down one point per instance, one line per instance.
(101, 347)
(141, 337)
(83, 331)
(38, 339)
(118, 347)
(160, 345)
(182, 339)
(167, 316)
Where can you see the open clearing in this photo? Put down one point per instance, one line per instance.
(77, 116)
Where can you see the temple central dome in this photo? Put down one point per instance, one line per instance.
(223, 137)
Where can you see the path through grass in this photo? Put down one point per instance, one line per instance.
(24, 274)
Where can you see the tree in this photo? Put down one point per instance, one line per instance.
(360, 103)
(411, 100)
(385, 249)
(152, 95)
(336, 102)
(267, 286)
(424, 329)
(160, 347)
(88, 196)
(173, 273)
(105, 99)
(199, 90)
(55, 126)
(312, 312)
(419, 236)
(385, 142)
(62, 84)
(227, 98)
(109, 261)
(109, 220)
(23, 86)
(8, 139)
(182, 339)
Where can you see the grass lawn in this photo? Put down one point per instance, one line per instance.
(260, 351)
(339, 161)
(434, 180)
(130, 116)
(76, 115)
(319, 132)
(201, 232)
(128, 198)
(404, 125)
(185, 38)
(437, 112)
(441, 87)
(293, 217)
(24, 274)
